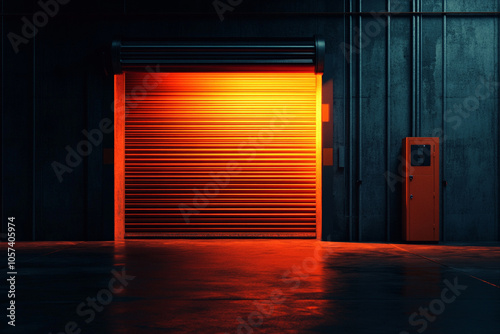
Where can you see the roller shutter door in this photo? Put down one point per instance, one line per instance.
(222, 154)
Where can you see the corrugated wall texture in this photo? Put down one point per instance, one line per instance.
(431, 70)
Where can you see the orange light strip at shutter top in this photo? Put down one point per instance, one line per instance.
(221, 152)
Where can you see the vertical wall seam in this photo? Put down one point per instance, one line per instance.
(498, 129)
(388, 122)
(345, 219)
(2, 224)
(413, 53)
(351, 128)
(348, 99)
(420, 77)
(443, 134)
(86, 165)
(359, 132)
(4, 227)
(351, 125)
(33, 165)
(352, 120)
(417, 71)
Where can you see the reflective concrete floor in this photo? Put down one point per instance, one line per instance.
(254, 286)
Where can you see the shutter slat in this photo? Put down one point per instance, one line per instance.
(219, 153)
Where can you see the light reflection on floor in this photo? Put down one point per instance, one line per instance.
(255, 286)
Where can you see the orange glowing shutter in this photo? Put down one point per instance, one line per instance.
(233, 154)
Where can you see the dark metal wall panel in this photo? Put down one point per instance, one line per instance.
(472, 6)
(374, 5)
(61, 116)
(432, 6)
(400, 116)
(497, 70)
(401, 5)
(286, 6)
(432, 77)
(335, 221)
(329, 205)
(471, 130)
(17, 146)
(432, 103)
(373, 132)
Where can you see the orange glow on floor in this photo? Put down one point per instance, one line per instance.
(222, 152)
(119, 156)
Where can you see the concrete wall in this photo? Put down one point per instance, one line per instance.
(404, 75)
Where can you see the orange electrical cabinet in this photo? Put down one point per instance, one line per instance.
(421, 189)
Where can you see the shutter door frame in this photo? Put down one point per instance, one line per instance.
(271, 55)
